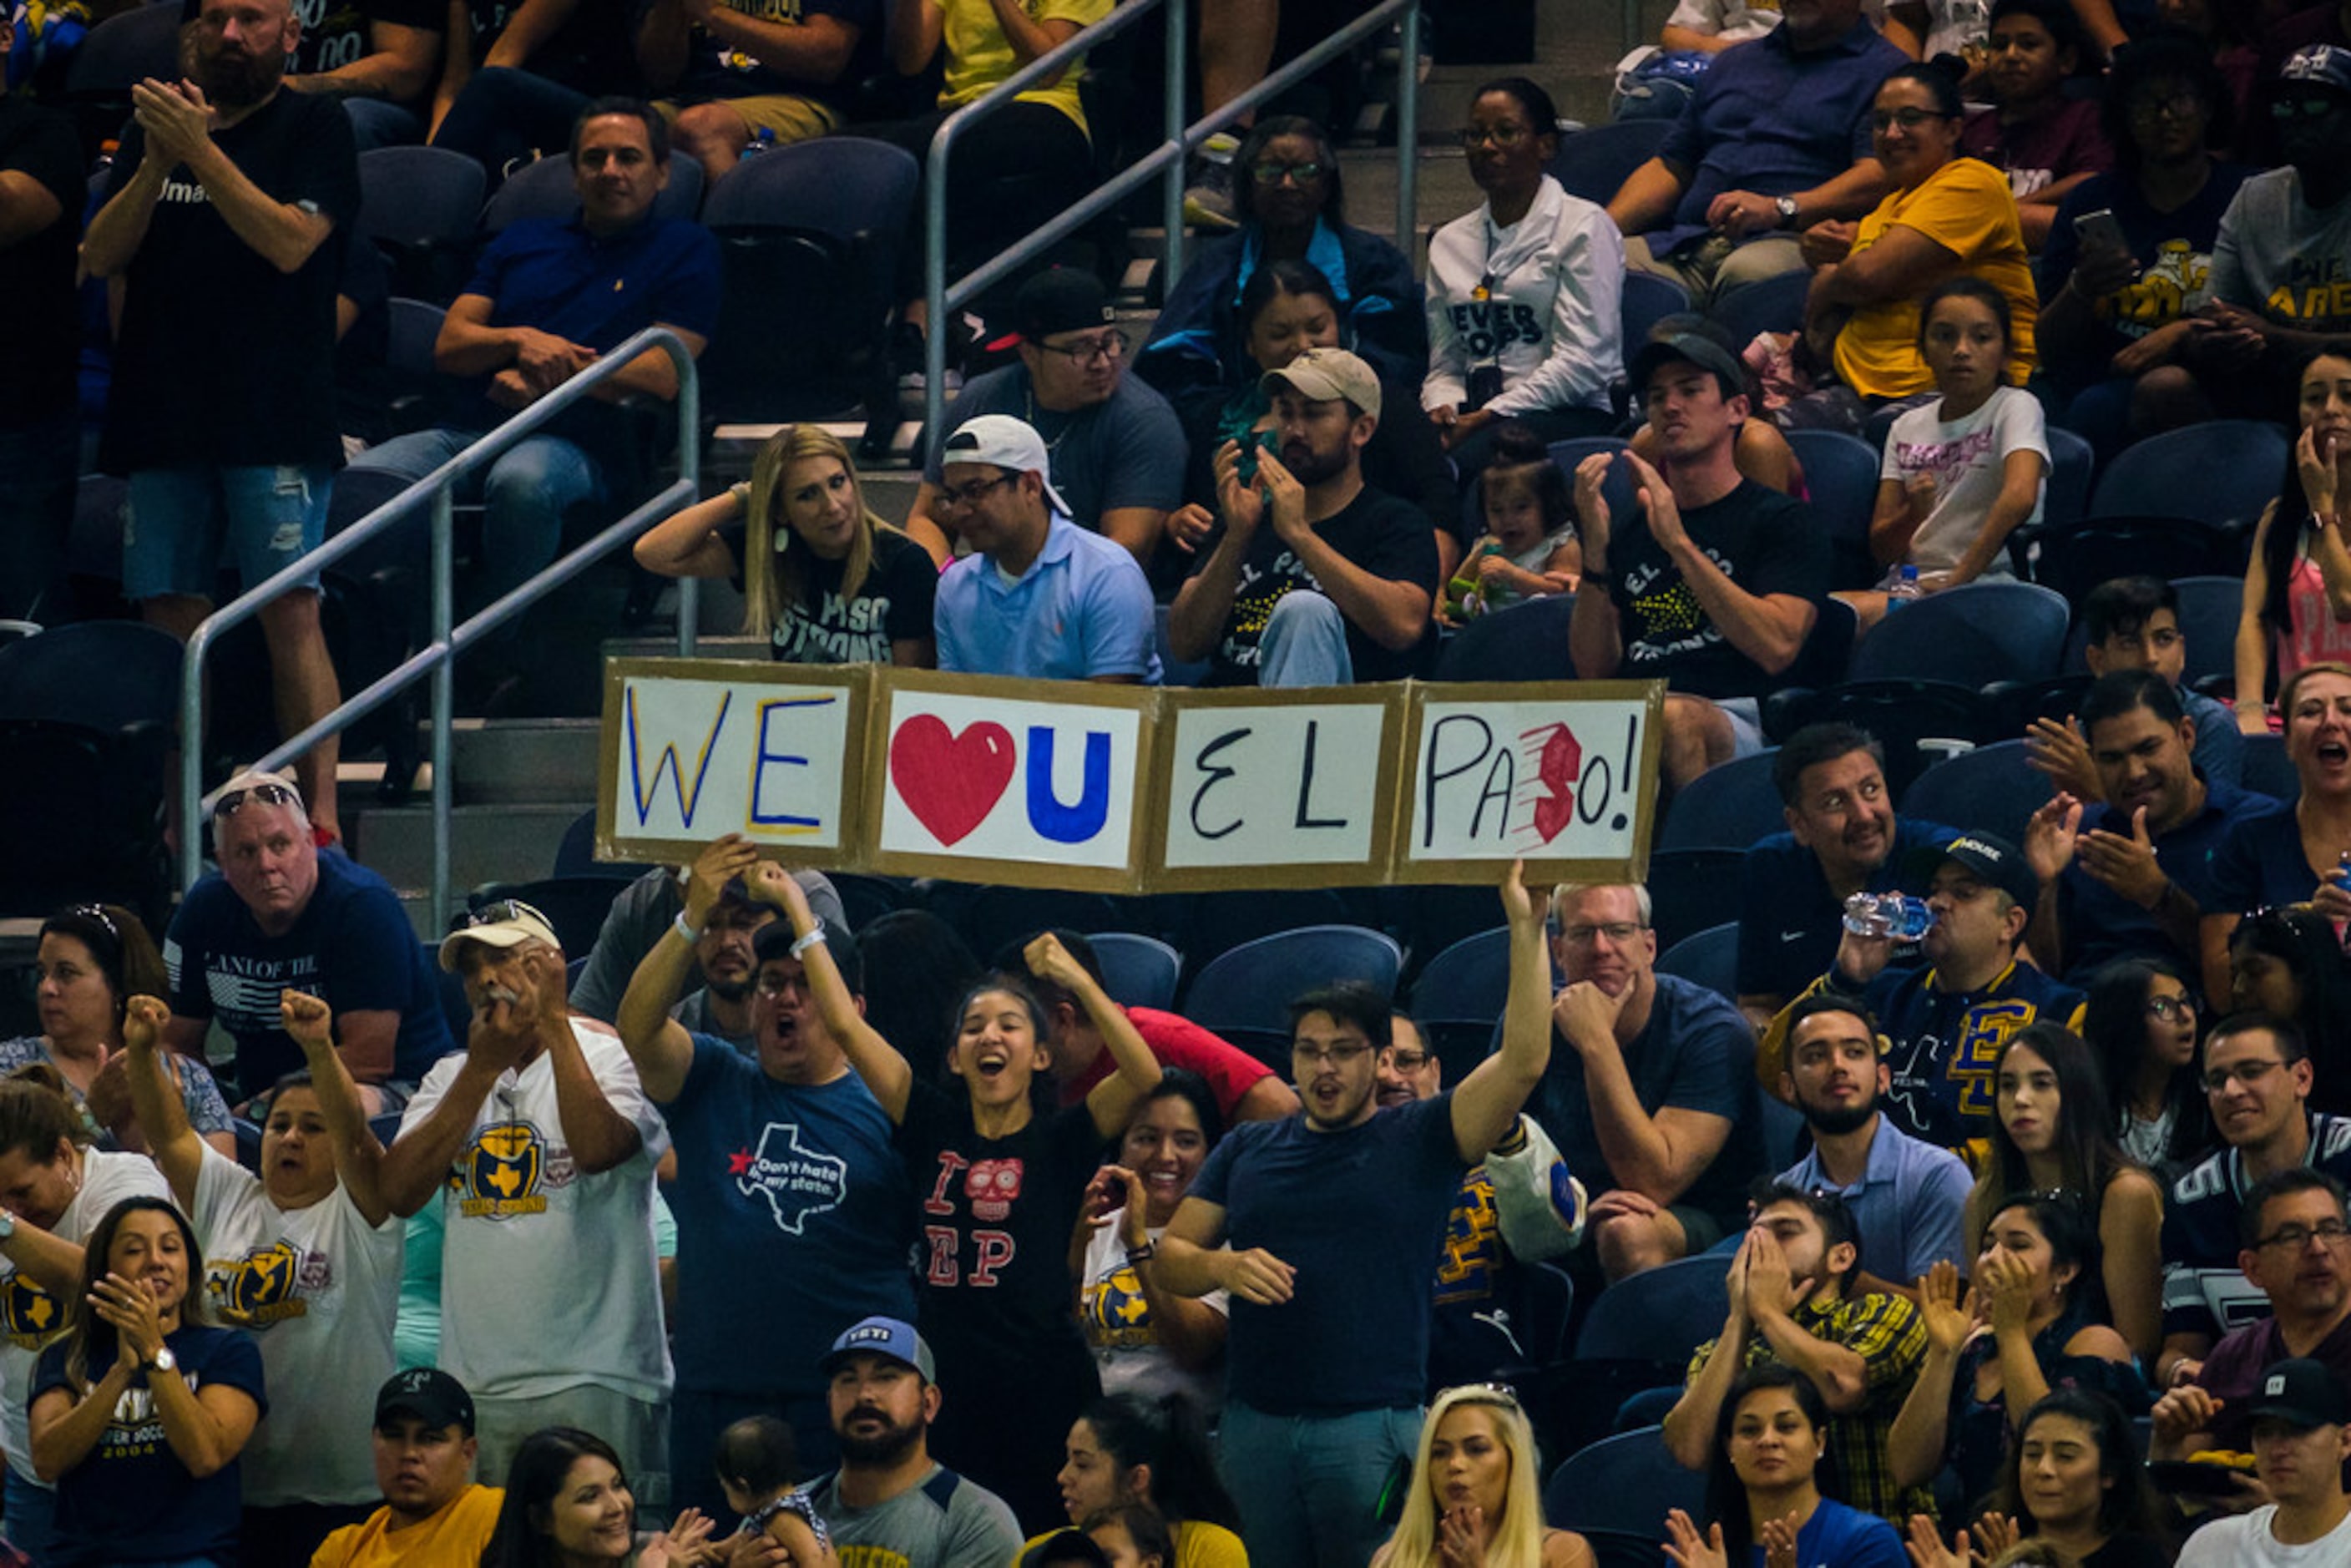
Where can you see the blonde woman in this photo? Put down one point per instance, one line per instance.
(1476, 1500)
(826, 581)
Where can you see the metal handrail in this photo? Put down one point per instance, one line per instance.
(1166, 160)
(437, 658)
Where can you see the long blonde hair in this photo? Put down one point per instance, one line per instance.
(772, 577)
(1517, 1535)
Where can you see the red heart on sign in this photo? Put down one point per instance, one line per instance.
(950, 781)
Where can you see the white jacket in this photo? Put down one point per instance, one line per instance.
(1556, 306)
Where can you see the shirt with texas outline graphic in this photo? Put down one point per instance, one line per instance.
(797, 1182)
(507, 1170)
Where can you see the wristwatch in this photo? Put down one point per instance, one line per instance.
(165, 1361)
(1787, 208)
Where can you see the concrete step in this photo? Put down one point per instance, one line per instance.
(524, 762)
(486, 844)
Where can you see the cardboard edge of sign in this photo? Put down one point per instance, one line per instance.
(870, 689)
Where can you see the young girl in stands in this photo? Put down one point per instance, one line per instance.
(756, 1463)
(2140, 1023)
(1764, 1491)
(2298, 583)
(1963, 472)
(1001, 1186)
(2052, 1131)
(2072, 1480)
(1528, 550)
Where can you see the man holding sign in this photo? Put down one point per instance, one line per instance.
(1316, 578)
(1335, 1217)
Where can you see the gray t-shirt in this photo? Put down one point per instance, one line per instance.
(946, 1522)
(635, 923)
(2280, 257)
(1128, 452)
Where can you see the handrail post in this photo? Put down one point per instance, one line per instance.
(934, 295)
(1408, 133)
(689, 467)
(1171, 201)
(192, 761)
(444, 690)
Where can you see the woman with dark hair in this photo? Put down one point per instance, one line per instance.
(1764, 1491)
(1002, 1187)
(2118, 301)
(2074, 1481)
(2288, 963)
(1524, 314)
(1146, 1340)
(92, 959)
(930, 968)
(1947, 213)
(139, 1414)
(55, 1187)
(2298, 583)
(2020, 1333)
(568, 1505)
(2052, 1131)
(2141, 1025)
(1287, 196)
(1127, 1448)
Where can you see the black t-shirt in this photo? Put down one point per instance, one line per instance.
(40, 340)
(892, 604)
(1385, 537)
(336, 32)
(1764, 541)
(716, 69)
(223, 360)
(590, 52)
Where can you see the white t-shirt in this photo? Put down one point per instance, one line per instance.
(547, 1277)
(1116, 1318)
(316, 1288)
(30, 1317)
(1965, 458)
(2247, 1542)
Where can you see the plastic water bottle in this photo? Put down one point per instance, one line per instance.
(759, 143)
(1895, 915)
(1902, 582)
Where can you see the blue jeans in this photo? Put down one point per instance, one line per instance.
(1309, 1486)
(1304, 644)
(37, 510)
(376, 123)
(268, 516)
(32, 1511)
(524, 496)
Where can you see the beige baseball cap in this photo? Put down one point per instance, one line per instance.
(1323, 374)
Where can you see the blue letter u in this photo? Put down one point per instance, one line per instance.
(1068, 824)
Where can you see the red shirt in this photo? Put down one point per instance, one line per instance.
(1177, 1041)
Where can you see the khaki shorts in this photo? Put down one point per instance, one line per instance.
(791, 117)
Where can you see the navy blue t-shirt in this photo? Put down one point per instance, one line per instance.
(793, 1213)
(2259, 865)
(2101, 925)
(1788, 921)
(2204, 1290)
(131, 1499)
(352, 947)
(2174, 252)
(1360, 1213)
(1837, 1536)
(1698, 1053)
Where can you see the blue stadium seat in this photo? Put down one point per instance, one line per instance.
(1648, 298)
(1686, 888)
(1708, 957)
(1469, 981)
(1629, 1482)
(1524, 642)
(1989, 789)
(1616, 490)
(1245, 994)
(1916, 721)
(2071, 461)
(1973, 635)
(2208, 608)
(1659, 1316)
(1138, 971)
(2075, 557)
(421, 206)
(1593, 163)
(1728, 807)
(1841, 473)
(2222, 473)
(1783, 1132)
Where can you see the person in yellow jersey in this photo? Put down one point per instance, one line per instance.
(434, 1510)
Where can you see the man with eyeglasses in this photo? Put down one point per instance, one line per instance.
(2257, 1078)
(2295, 1247)
(1333, 1218)
(1039, 597)
(1114, 447)
(2130, 876)
(539, 1145)
(1651, 1089)
(1314, 578)
(792, 1205)
(283, 914)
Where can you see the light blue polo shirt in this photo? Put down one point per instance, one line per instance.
(1082, 609)
(1906, 1209)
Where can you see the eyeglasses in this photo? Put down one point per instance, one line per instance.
(231, 801)
(1500, 1393)
(1338, 1053)
(1617, 931)
(2245, 1072)
(1404, 1060)
(971, 495)
(2294, 1238)
(498, 911)
(2180, 104)
(776, 985)
(2170, 1008)
(1110, 345)
(1269, 172)
(1908, 118)
(1475, 136)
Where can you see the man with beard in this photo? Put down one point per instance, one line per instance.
(890, 1505)
(725, 957)
(227, 189)
(791, 1205)
(1315, 579)
(1843, 838)
(1906, 1196)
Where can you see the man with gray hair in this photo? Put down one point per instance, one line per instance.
(1651, 1089)
(283, 914)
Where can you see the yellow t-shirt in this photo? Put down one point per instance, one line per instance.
(1966, 208)
(979, 56)
(452, 1537)
(1198, 1545)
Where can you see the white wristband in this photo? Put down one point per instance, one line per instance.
(683, 929)
(801, 946)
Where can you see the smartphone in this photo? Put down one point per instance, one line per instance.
(1266, 440)
(2100, 230)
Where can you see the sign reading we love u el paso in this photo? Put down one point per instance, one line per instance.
(1124, 789)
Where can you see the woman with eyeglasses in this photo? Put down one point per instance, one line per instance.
(1764, 1490)
(92, 959)
(2019, 1333)
(2301, 854)
(1945, 215)
(1476, 1496)
(2140, 1023)
(2052, 1132)
(2072, 1480)
(1292, 207)
(824, 581)
(1525, 319)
